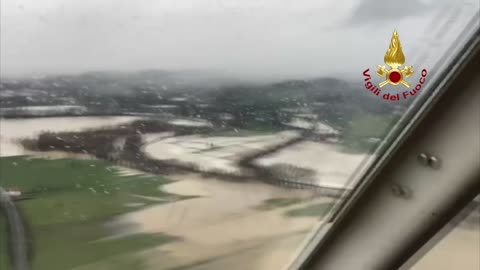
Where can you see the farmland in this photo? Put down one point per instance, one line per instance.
(71, 199)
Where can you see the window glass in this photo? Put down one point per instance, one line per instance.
(201, 134)
(459, 248)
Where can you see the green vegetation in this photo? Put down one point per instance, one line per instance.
(251, 108)
(278, 203)
(314, 210)
(231, 132)
(70, 202)
(365, 127)
(4, 261)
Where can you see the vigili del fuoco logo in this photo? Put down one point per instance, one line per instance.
(394, 75)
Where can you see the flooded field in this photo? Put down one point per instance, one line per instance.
(13, 130)
(191, 123)
(210, 223)
(213, 153)
(332, 168)
(225, 220)
(228, 218)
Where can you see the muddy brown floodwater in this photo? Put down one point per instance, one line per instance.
(224, 225)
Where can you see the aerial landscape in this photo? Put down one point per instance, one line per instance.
(197, 134)
(160, 174)
(181, 172)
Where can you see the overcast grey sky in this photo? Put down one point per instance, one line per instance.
(283, 38)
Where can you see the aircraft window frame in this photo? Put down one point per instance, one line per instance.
(444, 233)
(407, 177)
(370, 172)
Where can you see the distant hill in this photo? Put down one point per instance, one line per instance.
(334, 99)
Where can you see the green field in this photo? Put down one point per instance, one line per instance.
(70, 201)
(3, 245)
(314, 210)
(279, 203)
(364, 126)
